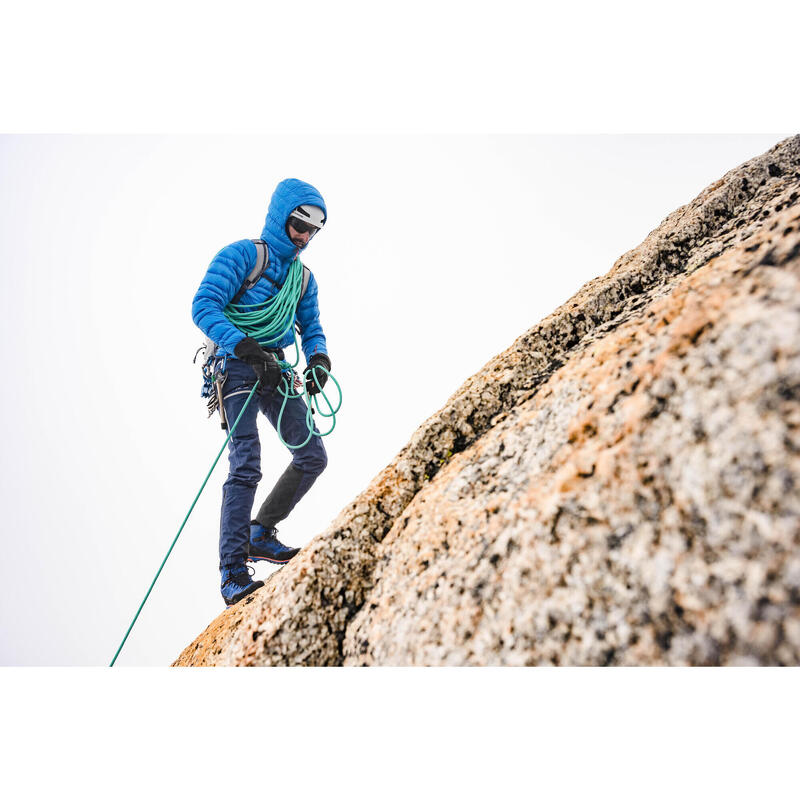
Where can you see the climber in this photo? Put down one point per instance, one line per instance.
(296, 213)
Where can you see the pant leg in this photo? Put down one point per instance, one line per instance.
(308, 462)
(244, 456)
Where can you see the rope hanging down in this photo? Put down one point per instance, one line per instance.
(267, 322)
(183, 524)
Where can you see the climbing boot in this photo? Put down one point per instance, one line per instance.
(264, 546)
(237, 583)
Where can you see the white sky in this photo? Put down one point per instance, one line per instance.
(438, 253)
(97, 475)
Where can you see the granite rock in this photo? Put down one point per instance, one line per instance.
(617, 487)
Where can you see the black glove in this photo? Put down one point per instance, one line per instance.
(311, 384)
(264, 364)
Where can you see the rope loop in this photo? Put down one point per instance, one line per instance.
(268, 323)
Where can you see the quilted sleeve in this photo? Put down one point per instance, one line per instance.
(313, 339)
(224, 277)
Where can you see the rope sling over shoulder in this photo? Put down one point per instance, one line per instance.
(267, 322)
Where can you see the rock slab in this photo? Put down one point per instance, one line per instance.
(620, 486)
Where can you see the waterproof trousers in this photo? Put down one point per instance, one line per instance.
(244, 455)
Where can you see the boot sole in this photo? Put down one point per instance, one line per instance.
(270, 560)
(246, 593)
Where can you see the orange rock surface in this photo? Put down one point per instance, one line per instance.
(620, 486)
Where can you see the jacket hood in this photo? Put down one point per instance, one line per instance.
(287, 196)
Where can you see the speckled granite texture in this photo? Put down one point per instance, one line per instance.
(620, 486)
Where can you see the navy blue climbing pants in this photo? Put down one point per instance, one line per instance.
(244, 455)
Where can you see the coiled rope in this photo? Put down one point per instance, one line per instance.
(267, 322)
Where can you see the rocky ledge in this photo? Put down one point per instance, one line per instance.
(620, 486)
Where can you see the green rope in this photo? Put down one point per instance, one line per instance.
(285, 388)
(268, 323)
(174, 541)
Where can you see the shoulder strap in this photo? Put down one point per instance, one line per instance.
(262, 259)
(306, 279)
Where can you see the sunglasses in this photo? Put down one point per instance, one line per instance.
(302, 227)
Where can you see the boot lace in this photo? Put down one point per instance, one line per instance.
(242, 577)
(269, 534)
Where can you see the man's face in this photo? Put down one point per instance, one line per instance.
(298, 239)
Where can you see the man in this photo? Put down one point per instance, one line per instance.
(296, 213)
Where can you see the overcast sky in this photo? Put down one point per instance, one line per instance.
(439, 251)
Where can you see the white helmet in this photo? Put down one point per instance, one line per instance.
(311, 215)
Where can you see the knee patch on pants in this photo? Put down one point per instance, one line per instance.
(313, 461)
(282, 498)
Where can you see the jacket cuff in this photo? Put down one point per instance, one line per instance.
(320, 358)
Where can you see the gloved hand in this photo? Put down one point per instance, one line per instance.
(311, 384)
(264, 364)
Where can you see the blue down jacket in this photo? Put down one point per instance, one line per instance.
(231, 266)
